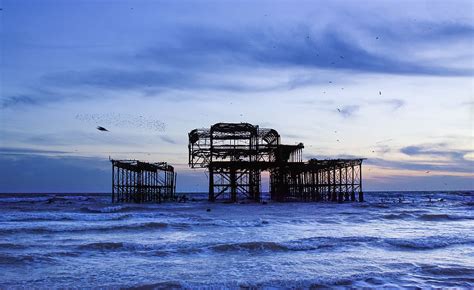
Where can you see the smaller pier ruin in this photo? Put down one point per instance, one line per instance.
(139, 182)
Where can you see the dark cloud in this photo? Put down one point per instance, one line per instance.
(13, 101)
(148, 81)
(423, 31)
(12, 150)
(183, 61)
(419, 183)
(118, 79)
(434, 150)
(450, 165)
(296, 46)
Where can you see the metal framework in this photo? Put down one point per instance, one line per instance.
(235, 154)
(136, 181)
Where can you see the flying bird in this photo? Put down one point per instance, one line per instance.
(102, 129)
(428, 171)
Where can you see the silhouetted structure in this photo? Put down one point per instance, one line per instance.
(236, 154)
(136, 181)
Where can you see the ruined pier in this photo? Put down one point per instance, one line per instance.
(235, 155)
(136, 181)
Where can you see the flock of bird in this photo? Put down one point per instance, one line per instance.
(122, 121)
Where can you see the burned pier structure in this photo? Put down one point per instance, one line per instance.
(235, 155)
(136, 181)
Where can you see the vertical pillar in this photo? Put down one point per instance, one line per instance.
(340, 197)
(361, 194)
(346, 186)
(211, 183)
(353, 198)
(333, 184)
(233, 184)
(174, 183)
(113, 182)
(318, 193)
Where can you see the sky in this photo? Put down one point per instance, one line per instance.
(390, 81)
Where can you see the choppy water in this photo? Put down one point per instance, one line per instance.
(52, 241)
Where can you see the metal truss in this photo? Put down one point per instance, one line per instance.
(136, 181)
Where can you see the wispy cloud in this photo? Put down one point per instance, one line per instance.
(13, 101)
(29, 151)
(348, 111)
(395, 104)
(168, 140)
(295, 46)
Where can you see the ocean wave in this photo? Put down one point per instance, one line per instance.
(250, 246)
(47, 199)
(109, 228)
(443, 217)
(307, 244)
(160, 285)
(114, 209)
(24, 199)
(155, 249)
(6, 259)
(69, 217)
(443, 271)
(427, 243)
(102, 246)
(397, 216)
(11, 246)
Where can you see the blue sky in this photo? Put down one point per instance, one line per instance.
(391, 81)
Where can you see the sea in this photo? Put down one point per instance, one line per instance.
(392, 240)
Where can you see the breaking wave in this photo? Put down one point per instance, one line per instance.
(106, 228)
(443, 217)
(308, 244)
(114, 209)
(448, 270)
(427, 243)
